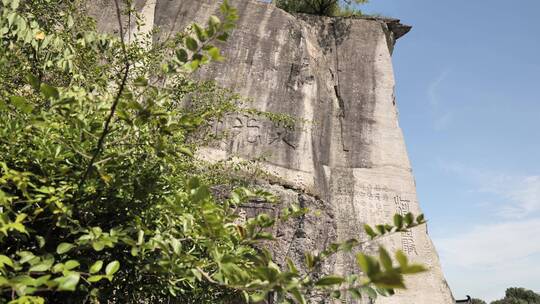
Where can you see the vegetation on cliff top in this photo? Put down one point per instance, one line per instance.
(101, 198)
(321, 7)
(515, 295)
(519, 296)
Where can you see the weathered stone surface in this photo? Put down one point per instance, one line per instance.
(335, 73)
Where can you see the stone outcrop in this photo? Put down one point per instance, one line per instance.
(349, 158)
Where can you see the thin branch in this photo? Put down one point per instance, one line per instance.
(319, 261)
(101, 141)
(106, 127)
(121, 28)
(208, 277)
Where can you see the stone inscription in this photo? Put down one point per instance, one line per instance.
(244, 130)
(407, 238)
(378, 193)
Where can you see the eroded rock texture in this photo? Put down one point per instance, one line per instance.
(349, 160)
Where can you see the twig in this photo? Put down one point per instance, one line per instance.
(101, 141)
(207, 276)
(319, 261)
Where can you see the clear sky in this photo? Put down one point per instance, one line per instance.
(468, 80)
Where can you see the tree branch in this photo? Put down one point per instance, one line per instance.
(106, 127)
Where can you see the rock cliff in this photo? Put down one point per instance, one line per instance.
(349, 159)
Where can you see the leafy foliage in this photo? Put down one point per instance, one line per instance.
(519, 296)
(320, 7)
(477, 301)
(102, 199)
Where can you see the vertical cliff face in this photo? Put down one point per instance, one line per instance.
(349, 159)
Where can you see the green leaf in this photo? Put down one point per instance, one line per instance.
(263, 236)
(26, 256)
(33, 81)
(389, 279)
(197, 274)
(96, 278)
(412, 269)
(309, 260)
(265, 220)
(363, 262)
(4, 260)
(40, 240)
(409, 219)
(330, 280)
(193, 183)
(257, 297)
(69, 282)
(49, 91)
(43, 266)
(176, 246)
(398, 221)
(385, 259)
(386, 292)
(112, 268)
(191, 44)
(193, 65)
(355, 293)
(368, 264)
(291, 266)
(372, 234)
(201, 35)
(299, 297)
(348, 245)
(402, 259)
(96, 266)
(64, 248)
(42, 280)
(185, 151)
(336, 294)
(71, 264)
(140, 81)
(3, 281)
(58, 268)
(200, 194)
(420, 219)
(98, 245)
(214, 20)
(381, 229)
(223, 37)
(14, 4)
(182, 55)
(123, 115)
(70, 21)
(215, 54)
(371, 293)
(10, 18)
(27, 300)
(21, 104)
(140, 237)
(23, 280)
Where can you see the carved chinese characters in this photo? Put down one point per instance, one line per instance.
(407, 238)
(245, 131)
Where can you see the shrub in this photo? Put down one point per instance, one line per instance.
(320, 7)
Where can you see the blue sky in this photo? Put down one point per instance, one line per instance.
(468, 80)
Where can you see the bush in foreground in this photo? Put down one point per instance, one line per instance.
(102, 200)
